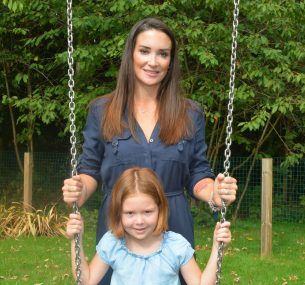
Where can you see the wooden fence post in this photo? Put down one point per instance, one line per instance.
(266, 207)
(27, 181)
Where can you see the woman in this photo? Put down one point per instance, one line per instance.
(146, 122)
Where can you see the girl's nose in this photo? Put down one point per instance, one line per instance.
(139, 219)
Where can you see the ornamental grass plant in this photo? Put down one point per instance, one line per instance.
(16, 221)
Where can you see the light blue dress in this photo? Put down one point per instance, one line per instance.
(158, 268)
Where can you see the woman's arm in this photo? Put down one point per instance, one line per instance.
(78, 189)
(202, 182)
(90, 273)
(223, 188)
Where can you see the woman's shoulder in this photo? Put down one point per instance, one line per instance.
(100, 101)
(193, 106)
(194, 109)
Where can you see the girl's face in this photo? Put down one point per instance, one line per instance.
(139, 216)
(151, 57)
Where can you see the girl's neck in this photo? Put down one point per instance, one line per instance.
(144, 246)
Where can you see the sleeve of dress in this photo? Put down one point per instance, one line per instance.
(181, 248)
(93, 148)
(199, 165)
(106, 248)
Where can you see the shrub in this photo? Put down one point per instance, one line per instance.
(16, 221)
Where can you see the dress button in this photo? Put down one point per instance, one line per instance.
(151, 140)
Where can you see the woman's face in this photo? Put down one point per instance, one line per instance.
(151, 57)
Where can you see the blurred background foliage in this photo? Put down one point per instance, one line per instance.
(270, 75)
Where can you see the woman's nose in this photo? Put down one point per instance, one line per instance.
(152, 60)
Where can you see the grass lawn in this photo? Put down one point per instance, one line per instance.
(242, 263)
(43, 260)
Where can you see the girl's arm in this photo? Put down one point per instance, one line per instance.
(191, 272)
(93, 272)
(222, 233)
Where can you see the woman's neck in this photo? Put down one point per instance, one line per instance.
(145, 101)
(145, 92)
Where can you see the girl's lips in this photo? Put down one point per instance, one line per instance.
(140, 230)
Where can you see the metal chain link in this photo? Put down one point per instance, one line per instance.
(73, 149)
(228, 141)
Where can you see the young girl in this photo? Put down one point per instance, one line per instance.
(137, 247)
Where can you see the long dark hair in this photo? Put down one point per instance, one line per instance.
(172, 107)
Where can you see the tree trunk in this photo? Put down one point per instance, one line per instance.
(262, 139)
(31, 121)
(13, 124)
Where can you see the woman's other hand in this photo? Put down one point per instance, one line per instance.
(73, 189)
(224, 189)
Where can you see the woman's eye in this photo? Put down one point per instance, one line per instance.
(164, 54)
(144, 51)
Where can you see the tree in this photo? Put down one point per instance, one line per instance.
(270, 75)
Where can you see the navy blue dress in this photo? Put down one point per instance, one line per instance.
(178, 166)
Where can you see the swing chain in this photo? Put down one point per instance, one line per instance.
(73, 149)
(229, 129)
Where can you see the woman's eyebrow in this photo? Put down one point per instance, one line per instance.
(142, 46)
(161, 49)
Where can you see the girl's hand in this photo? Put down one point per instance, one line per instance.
(75, 225)
(222, 233)
(73, 189)
(224, 189)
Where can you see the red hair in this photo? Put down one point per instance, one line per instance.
(131, 181)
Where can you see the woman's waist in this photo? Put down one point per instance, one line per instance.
(167, 192)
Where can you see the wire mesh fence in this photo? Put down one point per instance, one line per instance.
(288, 197)
(50, 169)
